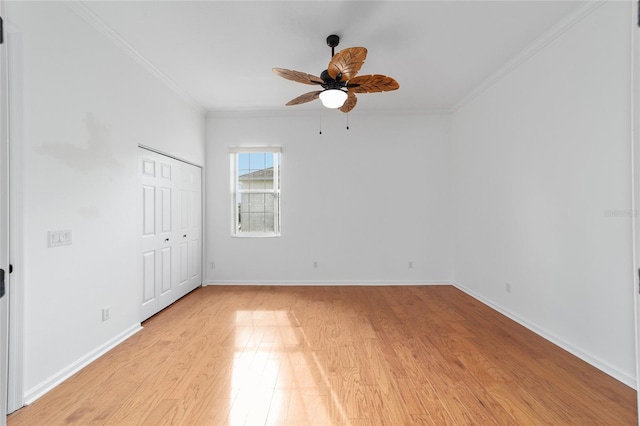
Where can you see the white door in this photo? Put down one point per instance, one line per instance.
(190, 188)
(4, 228)
(171, 240)
(157, 192)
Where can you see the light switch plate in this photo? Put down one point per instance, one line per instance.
(59, 238)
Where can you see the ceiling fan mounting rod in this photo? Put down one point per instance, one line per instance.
(332, 41)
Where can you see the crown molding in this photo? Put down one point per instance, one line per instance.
(536, 46)
(83, 11)
(327, 114)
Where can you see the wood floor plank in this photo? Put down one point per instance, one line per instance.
(396, 355)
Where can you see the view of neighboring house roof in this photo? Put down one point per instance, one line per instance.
(264, 174)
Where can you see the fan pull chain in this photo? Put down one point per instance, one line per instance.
(347, 121)
(320, 122)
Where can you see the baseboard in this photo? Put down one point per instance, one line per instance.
(39, 390)
(586, 357)
(328, 282)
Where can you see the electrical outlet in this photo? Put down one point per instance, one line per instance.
(106, 313)
(507, 287)
(315, 264)
(410, 265)
(212, 265)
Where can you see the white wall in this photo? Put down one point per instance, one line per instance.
(362, 202)
(83, 108)
(538, 160)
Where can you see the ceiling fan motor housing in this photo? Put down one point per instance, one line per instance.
(331, 83)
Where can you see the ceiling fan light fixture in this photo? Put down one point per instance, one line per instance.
(333, 98)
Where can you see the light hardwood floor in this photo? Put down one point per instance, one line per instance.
(334, 356)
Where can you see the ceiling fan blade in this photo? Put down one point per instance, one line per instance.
(350, 103)
(346, 63)
(303, 99)
(372, 83)
(299, 76)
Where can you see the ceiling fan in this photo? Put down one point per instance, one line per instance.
(339, 81)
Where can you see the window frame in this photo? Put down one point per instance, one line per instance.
(275, 191)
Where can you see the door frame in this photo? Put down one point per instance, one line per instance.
(14, 93)
(635, 159)
(635, 183)
(4, 222)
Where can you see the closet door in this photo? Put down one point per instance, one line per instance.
(165, 217)
(187, 208)
(156, 209)
(170, 191)
(191, 227)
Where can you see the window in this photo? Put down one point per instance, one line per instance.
(255, 189)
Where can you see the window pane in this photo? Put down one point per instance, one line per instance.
(268, 222)
(255, 222)
(268, 160)
(277, 159)
(268, 202)
(257, 203)
(257, 212)
(258, 180)
(257, 160)
(258, 222)
(243, 179)
(243, 161)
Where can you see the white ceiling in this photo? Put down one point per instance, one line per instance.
(221, 52)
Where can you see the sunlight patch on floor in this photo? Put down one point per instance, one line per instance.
(275, 374)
